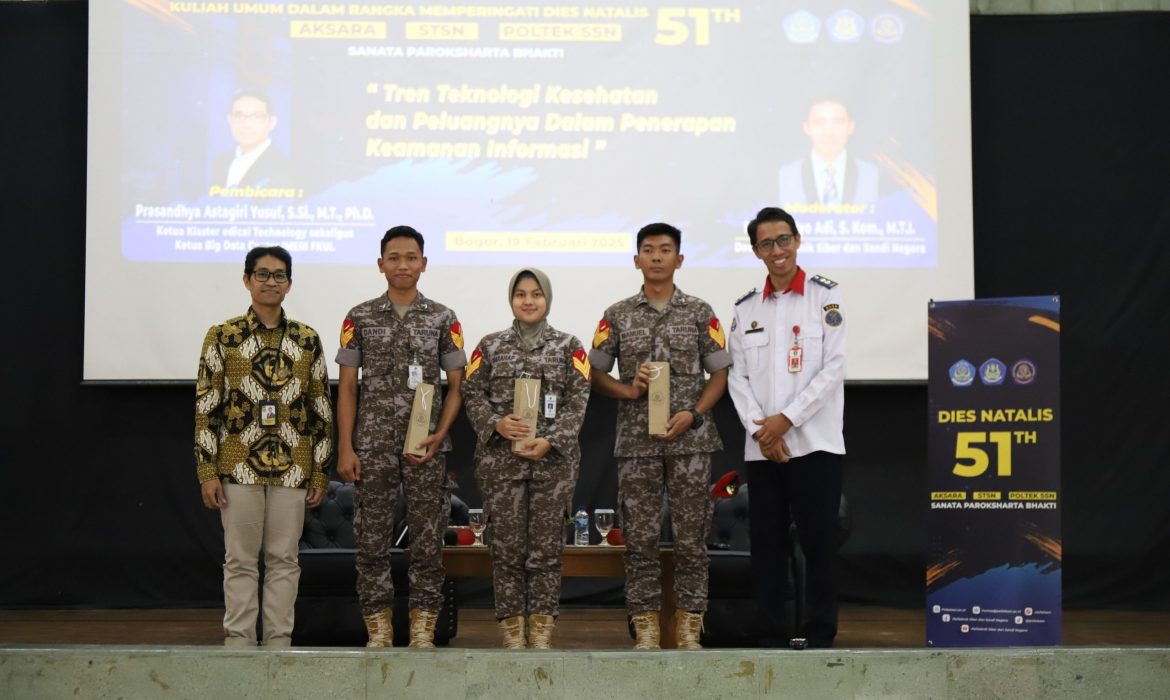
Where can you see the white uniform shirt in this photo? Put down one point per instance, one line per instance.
(762, 335)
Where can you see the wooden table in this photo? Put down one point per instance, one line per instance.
(593, 560)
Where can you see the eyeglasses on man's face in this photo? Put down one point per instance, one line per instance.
(248, 117)
(766, 245)
(262, 275)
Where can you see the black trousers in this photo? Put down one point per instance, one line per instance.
(805, 490)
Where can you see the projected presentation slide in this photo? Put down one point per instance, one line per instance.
(543, 133)
(550, 130)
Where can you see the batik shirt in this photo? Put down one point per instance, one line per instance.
(244, 366)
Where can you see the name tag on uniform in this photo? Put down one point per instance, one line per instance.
(795, 353)
(550, 405)
(795, 358)
(268, 414)
(414, 377)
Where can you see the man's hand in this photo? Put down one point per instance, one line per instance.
(349, 467)
(534, 449)
(510, 427)
(771, 429)
(637, 388)
(431, 444)
(213, 494)
(678, 424)
(314, 496)
(777, 452)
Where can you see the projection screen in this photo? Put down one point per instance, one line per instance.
(512, 134)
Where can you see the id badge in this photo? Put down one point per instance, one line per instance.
(414, 377)
(550, 405)
(268, 414)
(795, 358)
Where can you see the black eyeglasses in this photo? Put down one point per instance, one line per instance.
(766, 245)
(244, 117)
(280, 276)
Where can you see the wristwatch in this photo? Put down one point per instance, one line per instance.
(698, 419)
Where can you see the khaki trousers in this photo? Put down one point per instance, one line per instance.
(261, 518)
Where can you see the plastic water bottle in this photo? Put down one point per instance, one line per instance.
(581, 528)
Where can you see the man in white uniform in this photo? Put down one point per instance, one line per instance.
(787, 382)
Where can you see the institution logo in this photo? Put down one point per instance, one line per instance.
(962, 373)
(993, 372)
(1024, 372)
(802, 27)
(845, 27)
(886, 28)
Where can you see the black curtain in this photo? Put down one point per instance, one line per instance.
(1071, 156)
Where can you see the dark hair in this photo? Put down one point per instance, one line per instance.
(660, 230)
(241, 94)
(275, 251)
(770, 214)
(526, 275)
(399, 232)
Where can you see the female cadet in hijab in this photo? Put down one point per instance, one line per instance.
(526, 476)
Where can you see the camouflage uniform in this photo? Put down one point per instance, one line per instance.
(384, 347)
(686, 334)
(526, 500)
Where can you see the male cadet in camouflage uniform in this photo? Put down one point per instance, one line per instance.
(662, 324)
(527, 493)
(399, 340)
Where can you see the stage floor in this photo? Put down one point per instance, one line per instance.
(592, 628)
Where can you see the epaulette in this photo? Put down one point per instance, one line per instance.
(824, 281)
(744, 298)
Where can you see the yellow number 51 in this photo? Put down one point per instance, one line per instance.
(967, 448)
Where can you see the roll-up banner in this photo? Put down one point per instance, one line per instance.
(994, 553)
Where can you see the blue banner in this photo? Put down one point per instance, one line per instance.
(993, 574)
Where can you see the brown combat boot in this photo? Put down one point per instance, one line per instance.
(513, 630)
(422, 628)
(646, 630)
(688, 627)
(380, 628)
(540, 630)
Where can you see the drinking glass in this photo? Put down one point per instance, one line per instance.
(603, 519)
(478, 522)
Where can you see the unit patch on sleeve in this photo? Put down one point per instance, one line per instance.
(601, 334)
(457, 335)
(473, 364)
(581, 363)
(716, 332)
